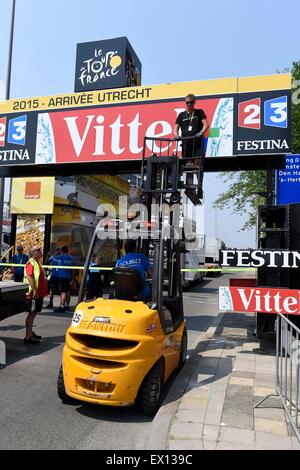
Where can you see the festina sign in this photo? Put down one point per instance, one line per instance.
(264, 300)
(260, 258)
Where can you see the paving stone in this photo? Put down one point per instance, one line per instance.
(197, 379)
(247, 355)
(246, 366)
(191, 416)
(238, 436)
(215, 407)
(240, 332)
(222, 445)
(251, 346)
(264, 440)
(209, 362)
(188, 403)
(182, 430)
(241, 381)
(275, 414)
(269, 425)
(213, 417)
(209, 445)
(212, 353)
(186, 444)
(243, 373)
(290, 428)
(272, 401)
(238, 407)
(265, 368)
(198, 392)
(263, 391)
(295, 443)
(264, 382)
(210, 432)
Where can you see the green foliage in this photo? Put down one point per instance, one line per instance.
(296, 107)
(242, 194)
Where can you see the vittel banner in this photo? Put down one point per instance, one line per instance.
(110, 125)
(264, 300)
(260, 258)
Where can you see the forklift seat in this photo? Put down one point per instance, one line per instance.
(128, 283)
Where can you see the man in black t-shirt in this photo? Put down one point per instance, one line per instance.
(193, 123)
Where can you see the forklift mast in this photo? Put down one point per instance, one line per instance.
(163, 176)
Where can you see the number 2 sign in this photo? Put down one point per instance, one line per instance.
(249, 114)
(2, 131)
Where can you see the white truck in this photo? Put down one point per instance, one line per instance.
(193, 259)
(213, 245)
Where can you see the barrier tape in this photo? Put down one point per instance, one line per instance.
(104, 268)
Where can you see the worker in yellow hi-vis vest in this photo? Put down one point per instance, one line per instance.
(35, 276)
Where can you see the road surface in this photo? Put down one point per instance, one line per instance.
(32, 416)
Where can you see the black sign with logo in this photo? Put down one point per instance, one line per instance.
(263, 123)
(18, 138)
(110, 63)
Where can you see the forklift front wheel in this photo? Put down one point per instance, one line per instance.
(183, 350)
(150, 391)
(61, 391)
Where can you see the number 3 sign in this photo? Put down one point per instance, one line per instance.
(276, 112)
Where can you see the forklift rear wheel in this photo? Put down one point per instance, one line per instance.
(183, 350)
(150, 391)
(61, 391)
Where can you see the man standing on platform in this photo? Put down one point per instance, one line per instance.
(192, 123)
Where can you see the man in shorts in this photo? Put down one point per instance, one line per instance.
(35, 276)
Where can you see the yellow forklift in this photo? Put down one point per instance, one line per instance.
(121, 348)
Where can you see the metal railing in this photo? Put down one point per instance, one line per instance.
(288, 368)
(287, 385)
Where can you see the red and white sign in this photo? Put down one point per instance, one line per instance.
(2, 131)
(256, 299)
(117, 132)
(250, 114)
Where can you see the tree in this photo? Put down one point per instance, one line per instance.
(244, 195)
(296, 107)
(246, 188)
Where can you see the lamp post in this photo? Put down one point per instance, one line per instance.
(7, 96)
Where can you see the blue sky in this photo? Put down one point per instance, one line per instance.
(175, 41)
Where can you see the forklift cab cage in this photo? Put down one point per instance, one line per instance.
(168, 304)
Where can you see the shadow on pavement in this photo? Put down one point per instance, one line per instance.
(199, 322)
(12, 328)
(130, 414)
(17, 350)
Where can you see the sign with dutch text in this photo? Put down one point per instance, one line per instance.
(256, 299)
(288, 181)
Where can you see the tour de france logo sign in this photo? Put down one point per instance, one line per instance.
(100, 65)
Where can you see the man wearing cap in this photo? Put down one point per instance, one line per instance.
(19, 258)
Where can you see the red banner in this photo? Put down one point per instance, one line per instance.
(255, 299)
(116, 133)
